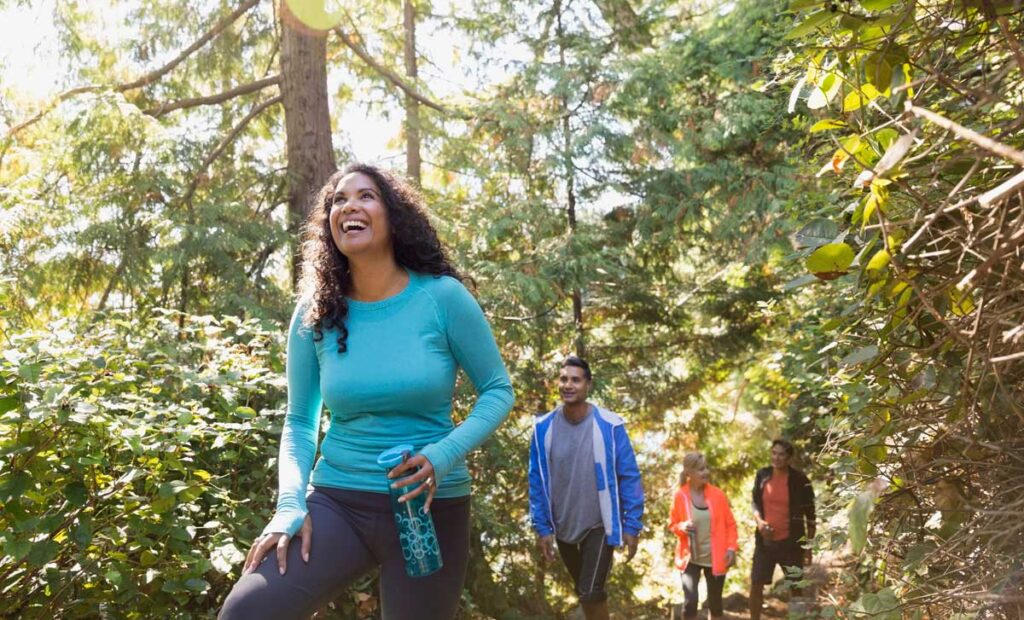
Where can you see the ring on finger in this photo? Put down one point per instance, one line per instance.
(429, 481)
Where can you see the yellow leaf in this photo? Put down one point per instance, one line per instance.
(858, 98)
(961, 302)
(878, 262)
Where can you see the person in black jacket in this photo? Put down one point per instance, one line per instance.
(784, 512)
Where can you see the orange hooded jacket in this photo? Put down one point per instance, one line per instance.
(723, 527)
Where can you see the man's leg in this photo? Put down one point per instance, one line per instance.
(792, 564)
(572, 557)
(761, 570)
(596, 562)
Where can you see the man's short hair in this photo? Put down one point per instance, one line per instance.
(578, 362)
(786, 445)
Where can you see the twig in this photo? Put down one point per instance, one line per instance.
(999, 192)
(993, 146)
(1007, 358)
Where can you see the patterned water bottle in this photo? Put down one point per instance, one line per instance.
(415, 526)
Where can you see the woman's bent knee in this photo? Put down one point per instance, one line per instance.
(253, 598)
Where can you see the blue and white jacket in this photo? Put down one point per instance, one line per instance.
(619, 491)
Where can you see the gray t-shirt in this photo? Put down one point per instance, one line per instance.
(574, 501)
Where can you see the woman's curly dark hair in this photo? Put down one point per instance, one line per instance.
(326, 280)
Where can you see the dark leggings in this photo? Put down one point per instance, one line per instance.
(354, 531)
(691, 577)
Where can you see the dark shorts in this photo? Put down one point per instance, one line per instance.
(353, 532)
(589, 562)
(768, 555)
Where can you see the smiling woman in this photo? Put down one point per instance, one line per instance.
(381, 328)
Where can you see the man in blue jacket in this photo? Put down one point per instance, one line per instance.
(585, 491)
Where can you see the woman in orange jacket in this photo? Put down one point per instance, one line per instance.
(703, 521)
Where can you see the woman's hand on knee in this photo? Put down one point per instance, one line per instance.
(279, 542)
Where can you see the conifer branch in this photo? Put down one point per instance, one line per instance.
(146, 79)
(391, 76)
(192, 102)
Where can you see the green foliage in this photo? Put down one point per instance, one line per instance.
(136, 463)
(828, 273)
(928, 396)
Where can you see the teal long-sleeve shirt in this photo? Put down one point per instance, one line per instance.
(393, 385)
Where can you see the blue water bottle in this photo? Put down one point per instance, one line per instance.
(415, 526)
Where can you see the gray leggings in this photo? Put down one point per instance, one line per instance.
(353, 531)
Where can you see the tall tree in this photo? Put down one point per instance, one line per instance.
(307, 119)
(412, 106)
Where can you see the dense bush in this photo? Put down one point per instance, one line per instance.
(134, 463)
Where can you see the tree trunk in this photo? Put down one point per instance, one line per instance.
(570, 188)
(307, 121)
(412, 107)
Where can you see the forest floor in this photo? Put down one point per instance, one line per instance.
(777, 602)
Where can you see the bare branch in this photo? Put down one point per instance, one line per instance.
(998, 148)
(192, 102)
(1001, 191)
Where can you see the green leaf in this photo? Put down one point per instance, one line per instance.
(29, 372)
(830, 259)
(8, 403)
(876, 5)
(42, 552)
(878, 70)
(245, 412)
(859, 514)
(816, 233)
(810, 24)
(17, 548)
(886, 136)
(197, 585)
(826, 125)
(163, 504)
(860, 356)
(76, 493)
(796, 283)
(225, 557)
(83, 532)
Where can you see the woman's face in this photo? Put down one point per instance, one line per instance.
(700, 475)
(358, 217)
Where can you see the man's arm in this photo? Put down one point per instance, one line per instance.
(755, 506)
(540, 511)
(810, 516)
(631, 490)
